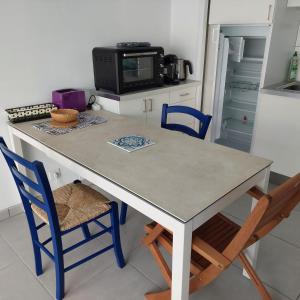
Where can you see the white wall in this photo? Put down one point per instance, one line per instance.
(188, 31)
(46, 45)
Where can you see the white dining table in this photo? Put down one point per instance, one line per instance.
(179, 182)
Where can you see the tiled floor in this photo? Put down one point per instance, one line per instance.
(278, 265)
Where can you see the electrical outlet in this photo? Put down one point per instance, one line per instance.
(54, 176)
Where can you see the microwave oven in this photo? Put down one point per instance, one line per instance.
(123, 70)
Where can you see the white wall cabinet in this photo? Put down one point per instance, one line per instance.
(277, 131)
(182, 118)
(241, 11)
(153, 107)
(294, 3)
(147, 105)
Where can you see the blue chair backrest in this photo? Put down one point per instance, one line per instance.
(204, 120)
(32, 191)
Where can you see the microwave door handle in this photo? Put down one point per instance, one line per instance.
(140, 54)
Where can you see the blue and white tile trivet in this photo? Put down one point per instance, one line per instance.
(131, 143)
(84, 120)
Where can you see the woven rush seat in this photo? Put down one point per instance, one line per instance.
(75, 204)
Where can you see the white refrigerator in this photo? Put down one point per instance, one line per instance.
(240, 60)
(238, 77)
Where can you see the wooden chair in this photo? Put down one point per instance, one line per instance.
(204, 121)
(68, 208)
(218, 242)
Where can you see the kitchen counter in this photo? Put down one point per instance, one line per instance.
(276, 90)
(142, 93)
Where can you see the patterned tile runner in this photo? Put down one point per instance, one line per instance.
(85, 120)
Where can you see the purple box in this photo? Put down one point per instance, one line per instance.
(69, 98)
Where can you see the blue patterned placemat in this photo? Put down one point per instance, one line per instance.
(131, 143)
(84, 120)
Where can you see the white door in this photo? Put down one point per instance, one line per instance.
(154, 108)
(134, 107)
(241, 11)
(220, 87)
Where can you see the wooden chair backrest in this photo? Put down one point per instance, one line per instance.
(270, 210)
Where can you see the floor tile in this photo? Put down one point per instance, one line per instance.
(16, 210)
(4, 214)
(15, 232)
(279, 265)
(84, 272)
(112, 284)
(18, 283)
(144, 262)
(240, 208)
(232, 285)
(7, 257)
(286, 229)
(278, 261)
(133, 231)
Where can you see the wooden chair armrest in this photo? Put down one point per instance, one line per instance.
(210, 253)
(256, 193)
(153, 235)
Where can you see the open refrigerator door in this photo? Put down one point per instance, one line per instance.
(239, 68)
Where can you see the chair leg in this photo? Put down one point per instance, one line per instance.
(59, 265)
(60, 277)
(86, 231)
(115, 231)
(34, 239)
(254, 277)
(123, 214)
(37, 259)
(164, 295)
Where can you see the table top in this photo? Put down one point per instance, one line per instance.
(180, 174)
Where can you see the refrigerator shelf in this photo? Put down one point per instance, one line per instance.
(244, 85)
(238, 144)
(241, 109)
(238, 126)
(256, 78)
(253, 59)
(237, 101)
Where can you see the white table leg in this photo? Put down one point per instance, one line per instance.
(181, 259)
(16, 146)
(252, 252)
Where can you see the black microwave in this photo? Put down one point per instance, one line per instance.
(123, 70)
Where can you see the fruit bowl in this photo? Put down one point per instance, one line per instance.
(64, 115)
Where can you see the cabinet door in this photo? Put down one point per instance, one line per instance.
(182, 118)
(134, 107)
(154, 108)
(293, 3)
(241, 11)
(183, 94)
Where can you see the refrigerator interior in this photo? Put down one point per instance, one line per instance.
(241, 85)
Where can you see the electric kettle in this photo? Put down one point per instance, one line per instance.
(170, 69)
(182, 65)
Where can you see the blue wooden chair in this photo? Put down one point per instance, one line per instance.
(66, 209)
(204, 121)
